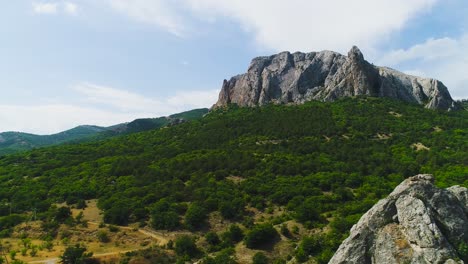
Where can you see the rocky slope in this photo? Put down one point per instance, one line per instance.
(416, 223)
(327, 76)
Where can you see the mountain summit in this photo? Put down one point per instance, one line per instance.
(327, 76)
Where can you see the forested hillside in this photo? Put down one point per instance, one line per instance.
(13, 142)
(286, 175)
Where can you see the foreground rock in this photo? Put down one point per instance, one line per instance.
(327, 76)
(416, 223)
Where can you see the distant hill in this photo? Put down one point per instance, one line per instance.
(12, 142)
(143, 124)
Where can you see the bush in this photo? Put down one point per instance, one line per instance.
(260, 235)
(81, 204)
(285, 231)
(212, 238)
(75, 255)
(102, 236)
(114, 228)
(233, 235)
(164, 216)
(307, 211)
(11, 221)
(119, 214)
(185, 246)
(232, 209)
(195, 216)
(260, 258)
(63, 214)
(166, 220)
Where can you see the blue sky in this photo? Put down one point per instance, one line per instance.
(66, 63)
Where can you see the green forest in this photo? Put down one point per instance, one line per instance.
(320, 165)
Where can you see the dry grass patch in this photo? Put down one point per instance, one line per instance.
(90, 213)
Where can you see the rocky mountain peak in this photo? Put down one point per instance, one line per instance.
(327, 76)
(355, 54)
(416, 223)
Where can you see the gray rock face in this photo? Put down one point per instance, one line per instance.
(416, 223)
(327, 76)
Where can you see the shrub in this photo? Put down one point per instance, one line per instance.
(260, 258)
(212, 238)
(113, 228)
(185, 246)
(233, 235)
(260, 235)
(195, 216)
(63, 214)
(102, 236)
(75, 255)
(81, 204)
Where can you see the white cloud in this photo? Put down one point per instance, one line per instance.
(70, 8)
(54, 7)
(431, 50)
(293, 25)
(119, 99)
(161, 13)
(445, 59)
(98, 105)
(194, 99)
(45, 8)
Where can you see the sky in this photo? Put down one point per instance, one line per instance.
(65, 63)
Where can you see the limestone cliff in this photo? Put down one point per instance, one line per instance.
(327, 76)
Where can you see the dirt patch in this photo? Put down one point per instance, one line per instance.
(419, 146)
(383, 136)
(395, 114)
(235, 179)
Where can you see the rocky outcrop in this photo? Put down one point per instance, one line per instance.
(327, 76)
(416, 223)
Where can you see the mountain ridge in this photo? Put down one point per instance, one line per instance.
(13, 141)
(327, 76)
